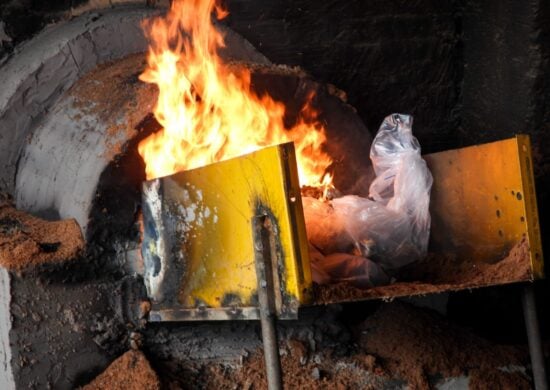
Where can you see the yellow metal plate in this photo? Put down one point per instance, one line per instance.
(483, 201)
(213, 207)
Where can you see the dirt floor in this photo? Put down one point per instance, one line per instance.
(399, 344)
(130, 371)
(415, 344)
(26, 241)
(301, 371)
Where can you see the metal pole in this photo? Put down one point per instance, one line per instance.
(264, 274)
(533, 337)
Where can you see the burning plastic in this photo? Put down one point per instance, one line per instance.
(358, 239)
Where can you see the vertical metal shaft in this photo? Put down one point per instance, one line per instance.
(533, 337)
(264, 273)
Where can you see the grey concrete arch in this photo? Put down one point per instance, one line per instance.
(52, 152)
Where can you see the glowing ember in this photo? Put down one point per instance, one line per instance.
(208, 112)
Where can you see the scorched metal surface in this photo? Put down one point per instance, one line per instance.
(198, 243)
(484, 201)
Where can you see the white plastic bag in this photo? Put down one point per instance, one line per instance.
(391, 227)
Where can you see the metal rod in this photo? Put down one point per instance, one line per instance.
(264, 274)
(533, 337)
(271, 352)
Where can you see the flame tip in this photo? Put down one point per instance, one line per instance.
(207, 109)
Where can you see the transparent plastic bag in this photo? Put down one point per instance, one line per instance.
(390, 228)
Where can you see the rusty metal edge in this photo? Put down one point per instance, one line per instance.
(159, 314)
(203, 314)
(437, 289)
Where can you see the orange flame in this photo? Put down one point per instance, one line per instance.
(208, 112)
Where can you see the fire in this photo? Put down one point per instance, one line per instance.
(207, 109)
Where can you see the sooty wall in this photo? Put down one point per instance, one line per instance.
(389, 56)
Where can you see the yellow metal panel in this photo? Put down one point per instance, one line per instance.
(483, 201)
(218, 203)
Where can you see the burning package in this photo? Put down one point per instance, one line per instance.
(364, 241)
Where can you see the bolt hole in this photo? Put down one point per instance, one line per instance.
(518, 195)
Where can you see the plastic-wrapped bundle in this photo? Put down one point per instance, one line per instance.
(344, 267)
(388, 230)
(325, 228)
